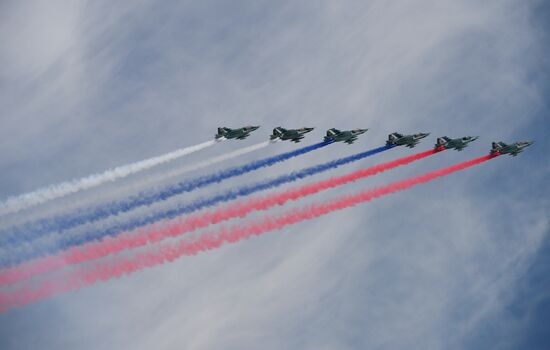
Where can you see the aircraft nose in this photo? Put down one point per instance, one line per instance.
(308, 129)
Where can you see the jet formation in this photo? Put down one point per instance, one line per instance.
(335, 135)
(459, 144)
(513, 149)
(394, 139)
(294, 135)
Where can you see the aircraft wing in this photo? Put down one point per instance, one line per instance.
(350, 140)
(460, 146)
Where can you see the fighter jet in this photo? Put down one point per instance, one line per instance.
(294, 135)
(397, 139)
(239, 134)
(514, 149)
(335, 135)
(458, 144)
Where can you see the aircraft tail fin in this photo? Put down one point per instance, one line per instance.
(221, 132)
(495, 148)
(277, 132)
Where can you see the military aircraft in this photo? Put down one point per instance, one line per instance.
(397, 139)
(335, 135)
(295, 135)
(239, 134)
(458, 144)
(514, 148)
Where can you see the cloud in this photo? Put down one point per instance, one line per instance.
(421, 269)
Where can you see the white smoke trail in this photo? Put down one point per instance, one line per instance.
(136, 185)
(26, 200)
(214, 160)
(156, 179)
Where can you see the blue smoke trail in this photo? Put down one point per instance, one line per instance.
(31, 231)
(66, 242)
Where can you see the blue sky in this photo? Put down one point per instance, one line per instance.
(461, 262)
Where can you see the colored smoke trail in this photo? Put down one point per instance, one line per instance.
(160, 177)
(157, 178)
(42, 195)
(214, 160)
(149, 235)
(64, 243)
(114, 267)
(40, 228)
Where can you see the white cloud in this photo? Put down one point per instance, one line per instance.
(419, 269)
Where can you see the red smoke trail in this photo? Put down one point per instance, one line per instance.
(110, 268)
(151, 234)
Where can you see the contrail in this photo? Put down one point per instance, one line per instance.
(65, 242)
(147, 235)
(212, 161)
(125, 188)
(41, 227)
(120, 265)
(157, 178)
(42, 195)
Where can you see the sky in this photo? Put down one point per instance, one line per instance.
(460, 262)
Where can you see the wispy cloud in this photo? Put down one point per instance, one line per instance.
(110, 84)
